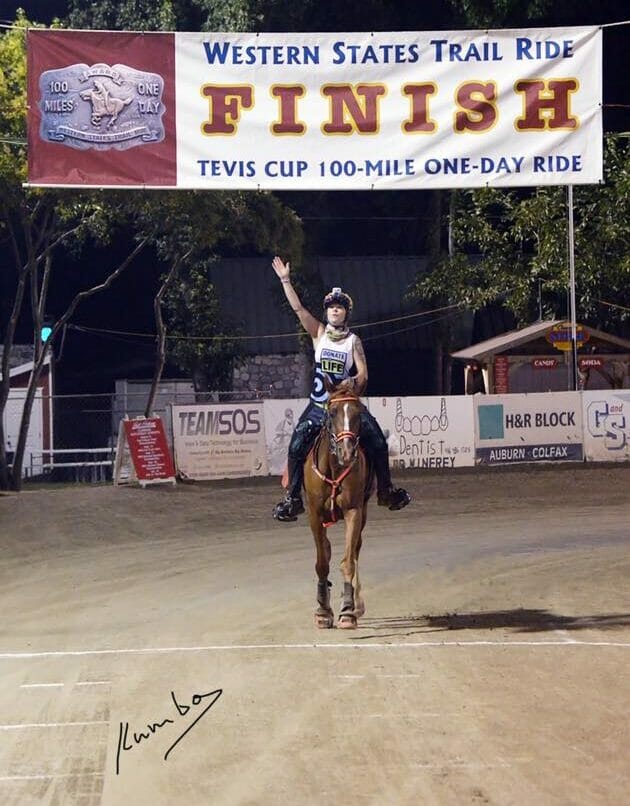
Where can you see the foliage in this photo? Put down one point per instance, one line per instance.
(512, 246)
(164, 15)
(500, 13)
(205, 225)
(194, 310)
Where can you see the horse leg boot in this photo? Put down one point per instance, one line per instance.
(347, 617)
(324, 615)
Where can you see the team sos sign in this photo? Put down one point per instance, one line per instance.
(219, 441)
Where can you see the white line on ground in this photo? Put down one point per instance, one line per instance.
(386, 676)
(53, 725)
(349, 645)
(94, 683)
(42, 685)
(467, 765)
(566, 637)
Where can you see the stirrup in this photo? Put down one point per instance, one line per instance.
(395, 498)
(288, 509)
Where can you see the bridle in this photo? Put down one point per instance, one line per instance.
(339, 436)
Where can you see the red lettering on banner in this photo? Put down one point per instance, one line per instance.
(546, 104)
(288, 97)
(419, 96)
(225, 103)
(476, 98)
(344, 104)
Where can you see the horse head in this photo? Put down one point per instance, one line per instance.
(343, 421)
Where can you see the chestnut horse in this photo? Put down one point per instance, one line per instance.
(338, 481)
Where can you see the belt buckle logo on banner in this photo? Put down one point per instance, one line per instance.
(101, 107)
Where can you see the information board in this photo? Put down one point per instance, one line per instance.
(143, 440)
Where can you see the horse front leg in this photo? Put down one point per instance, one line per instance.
(324, 616)
(359, 603)
(350, 570)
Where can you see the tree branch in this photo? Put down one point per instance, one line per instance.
(161, 330)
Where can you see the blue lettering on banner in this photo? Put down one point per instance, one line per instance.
(227, 53)
(608, 422)
(246, 168)
(541, 419)
(532, 49)
(219, 422)
(471, 52)
(375, 54)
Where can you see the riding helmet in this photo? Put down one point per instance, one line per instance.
(338, 297)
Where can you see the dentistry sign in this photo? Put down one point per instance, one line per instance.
(315, 111)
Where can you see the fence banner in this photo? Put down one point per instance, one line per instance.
(219, 441)
(427, 432)
(514, 428)
(607, 425)
(444, 109)
(281, 417)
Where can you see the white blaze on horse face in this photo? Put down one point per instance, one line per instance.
(348, 442)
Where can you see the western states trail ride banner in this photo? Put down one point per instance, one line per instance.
(315, 111)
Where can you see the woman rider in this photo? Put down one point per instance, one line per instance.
(337, 351)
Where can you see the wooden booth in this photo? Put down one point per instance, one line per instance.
(538, 358)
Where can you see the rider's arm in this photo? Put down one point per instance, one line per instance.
(361, 378)
(312, 325)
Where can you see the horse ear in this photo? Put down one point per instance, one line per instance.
(329, 386)
(347, 386)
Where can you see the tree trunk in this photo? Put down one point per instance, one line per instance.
(20, 448)
(160, 356)
(15, 478)
(5, 383)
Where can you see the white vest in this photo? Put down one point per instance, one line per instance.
(332, 358)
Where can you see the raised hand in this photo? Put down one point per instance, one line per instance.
(281, 269)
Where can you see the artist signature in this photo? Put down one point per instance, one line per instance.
(125, 743)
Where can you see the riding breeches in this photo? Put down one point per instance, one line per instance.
(302, 439)
(375, 444)
(306, 430)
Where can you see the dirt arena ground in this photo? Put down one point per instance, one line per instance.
(157, 647)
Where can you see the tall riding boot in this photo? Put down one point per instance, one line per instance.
(295, 467)
(291, 506)
(388, 495)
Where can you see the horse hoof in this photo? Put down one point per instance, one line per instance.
(324, 621)
(359, 610)
(347, 621)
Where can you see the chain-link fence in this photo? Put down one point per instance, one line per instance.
(83, 429)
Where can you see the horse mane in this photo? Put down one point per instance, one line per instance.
(343, 389)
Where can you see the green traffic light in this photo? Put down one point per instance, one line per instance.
(45, 332)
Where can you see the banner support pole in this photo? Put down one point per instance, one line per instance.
(572, 304)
